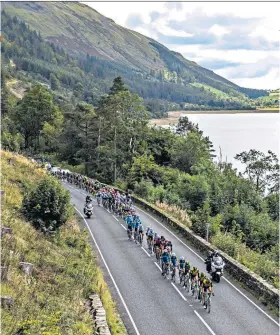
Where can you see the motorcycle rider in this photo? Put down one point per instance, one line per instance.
(88, 199)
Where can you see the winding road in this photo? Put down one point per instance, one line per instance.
(150, 304)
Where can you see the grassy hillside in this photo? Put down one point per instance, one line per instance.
(105, 50)
(51, 301)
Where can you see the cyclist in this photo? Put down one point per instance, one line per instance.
(201, 278)
(182, 263)
(137, 222)
(206, 286)
(99, 196)
(150, 238)
(156, 241)
(169, 244)
(194, 275)
(141, 231)
(174, 265)
(129, 222)
(165, 260)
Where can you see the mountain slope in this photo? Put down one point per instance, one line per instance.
(83, 32)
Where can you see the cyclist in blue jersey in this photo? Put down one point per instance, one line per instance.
(165, 260)
(129, 222)
(173, 260)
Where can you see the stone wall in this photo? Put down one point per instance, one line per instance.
(254, 283)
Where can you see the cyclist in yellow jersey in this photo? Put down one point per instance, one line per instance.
(201, 278)
(206, 286)
(194, 275)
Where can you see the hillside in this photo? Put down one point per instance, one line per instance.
(103, 49)
(52, 299)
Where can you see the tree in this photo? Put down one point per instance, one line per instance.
(32, 112)
(48, 205)
(118, 86)
(84, 119)
(262, 169)
(189, 151)
(54, 82)
(123, 128)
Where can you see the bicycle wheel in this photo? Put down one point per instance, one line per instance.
(187, 283)
(208, 304)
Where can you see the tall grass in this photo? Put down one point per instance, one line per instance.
(52, 300)
(176, 212)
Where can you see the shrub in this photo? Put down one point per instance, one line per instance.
(48, 205)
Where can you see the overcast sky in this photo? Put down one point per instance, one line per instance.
(239, 41)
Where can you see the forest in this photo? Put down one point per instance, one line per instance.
(114, 143)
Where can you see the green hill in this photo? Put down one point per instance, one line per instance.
(94, 49)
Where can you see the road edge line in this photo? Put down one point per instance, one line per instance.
(204, 322)
(107, 267)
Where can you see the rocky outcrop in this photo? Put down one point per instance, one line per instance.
(27, 268)
(98, 313)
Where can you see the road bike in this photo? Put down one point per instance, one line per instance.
(129, 233)
(158, 253)
(140, 238)
(136, 236)
(187, 282)
(165, 270)
(207, 299)
(173, 273)
(182, 277)
(195, 289)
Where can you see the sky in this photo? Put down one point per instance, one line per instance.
(237, 40)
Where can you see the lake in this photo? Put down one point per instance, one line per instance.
(235, 133)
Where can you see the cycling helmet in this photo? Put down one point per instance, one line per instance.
(202, 274)
(173, 254)
(182, 258)
(195, 268)
(162, 238)
(156, 235)
(164, 250)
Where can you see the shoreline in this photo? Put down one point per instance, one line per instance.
(173, 116)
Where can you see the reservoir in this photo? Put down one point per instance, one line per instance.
(235, 133)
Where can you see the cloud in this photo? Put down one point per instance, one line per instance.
(240, 41)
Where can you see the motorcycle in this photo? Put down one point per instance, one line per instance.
(88, 210)
(217, 268)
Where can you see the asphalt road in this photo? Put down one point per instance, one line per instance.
(150, 304)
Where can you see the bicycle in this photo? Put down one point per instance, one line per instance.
(187, 282)
(173, 273)
(140, 238)
(158, 253)
(129, 233)
(165, 270)
(195, 289)
(182, 277)
(207, 301)
(136, 234)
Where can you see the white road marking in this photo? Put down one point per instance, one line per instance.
(113, 280)
(108, 211)
(205, 324)
(157, 266)
(115, 218)
(146, 251)
(179, 292)
(252, 302)
(123, 226)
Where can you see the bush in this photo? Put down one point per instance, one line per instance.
(48, 205)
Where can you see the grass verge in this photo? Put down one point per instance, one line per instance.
(52, 300)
